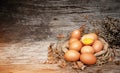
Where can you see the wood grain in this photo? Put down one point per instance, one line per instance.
(27, 27)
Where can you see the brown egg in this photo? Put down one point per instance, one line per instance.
(72, 40)
(76, 34)
(88, 39)
(87, 49)
(93, 35)
(88, 58)
(97, 45)
(76, 45)
(72, 55)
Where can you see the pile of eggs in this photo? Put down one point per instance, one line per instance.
(83, 47)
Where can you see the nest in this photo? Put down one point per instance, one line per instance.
(57, 50)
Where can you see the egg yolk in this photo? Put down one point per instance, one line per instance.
(87, 41)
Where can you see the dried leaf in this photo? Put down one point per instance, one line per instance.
(86, 17)
(62, 64)
(80, 64)
(83, 67)
(111, 59)
(60, 36)
(75, 66)
(117, 62)
(82, 28)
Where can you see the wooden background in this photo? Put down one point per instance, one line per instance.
(27, 27)
(34, 16)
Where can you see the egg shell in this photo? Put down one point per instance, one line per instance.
(76, 34)
(88, 58)
(72, 55)
(76, 45)
(98, 46)
(87, 49)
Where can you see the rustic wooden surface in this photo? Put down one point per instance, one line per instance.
(53, 68)
(28, 27)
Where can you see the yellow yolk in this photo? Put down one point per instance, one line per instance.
(88, 41)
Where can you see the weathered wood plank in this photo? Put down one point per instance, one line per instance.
(27, 27)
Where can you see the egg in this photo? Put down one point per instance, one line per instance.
(88, 58)
(93, 36)
(72, 55)
(76, 45)
(97, 45)
(76, 34)
(72, 40)
(87, 49)
(88, 39)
